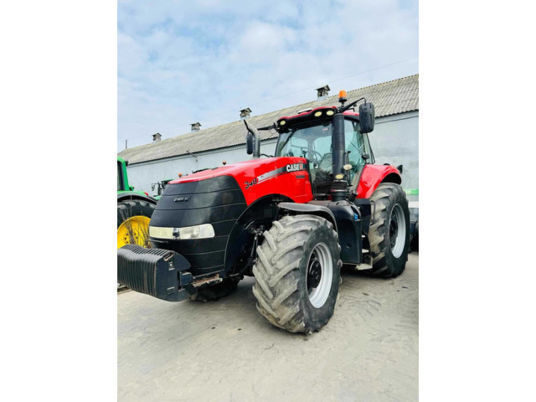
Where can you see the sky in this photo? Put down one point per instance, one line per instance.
(180, 62)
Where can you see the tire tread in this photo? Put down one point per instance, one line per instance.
(383, 198)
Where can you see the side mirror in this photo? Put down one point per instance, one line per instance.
(249, 143)
(365, 157)
(366, 117)
(253, 141)
(400, 168)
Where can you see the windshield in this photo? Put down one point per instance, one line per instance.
(312, 143)
(315, 144)
(309, 142)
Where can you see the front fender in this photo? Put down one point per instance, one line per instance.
(373, 175)
(135, 195)
(310, 208)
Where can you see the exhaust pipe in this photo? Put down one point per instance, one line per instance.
(338, 186)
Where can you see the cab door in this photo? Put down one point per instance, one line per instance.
(355, 149)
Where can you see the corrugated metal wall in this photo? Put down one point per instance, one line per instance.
(141, 175)
(394, 140)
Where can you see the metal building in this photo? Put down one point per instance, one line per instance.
(394, 139)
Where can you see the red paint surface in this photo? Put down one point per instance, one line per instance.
(371, 177)
(287, 184)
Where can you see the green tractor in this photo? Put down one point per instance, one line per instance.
(134, 210)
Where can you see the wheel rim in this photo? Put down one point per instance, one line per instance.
(134, 230)
(319, 275)
(397, 231)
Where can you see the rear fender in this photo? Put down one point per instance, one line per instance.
(373, 175)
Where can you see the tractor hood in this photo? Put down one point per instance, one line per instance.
(256, 178)
(211, 202)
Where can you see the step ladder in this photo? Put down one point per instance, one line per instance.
(367, 259)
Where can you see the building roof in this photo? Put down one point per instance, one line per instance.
(389, 98)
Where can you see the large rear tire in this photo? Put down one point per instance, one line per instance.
(133, 217)
(297, 273)
(389, 231)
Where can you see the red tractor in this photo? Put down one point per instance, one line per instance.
(291, 221)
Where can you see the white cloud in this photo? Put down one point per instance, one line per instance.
(181, 62)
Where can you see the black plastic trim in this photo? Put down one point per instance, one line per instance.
(218, 201)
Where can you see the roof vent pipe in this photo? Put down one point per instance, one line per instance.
(322, 92)
(157, 137)
(245, 113)
(196, 126)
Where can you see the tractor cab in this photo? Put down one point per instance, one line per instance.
(122, 177)
(334, 140)
(310, 135)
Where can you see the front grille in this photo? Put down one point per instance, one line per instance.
(218, 201)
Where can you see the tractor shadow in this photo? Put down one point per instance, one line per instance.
(240, 306)
(237, 313)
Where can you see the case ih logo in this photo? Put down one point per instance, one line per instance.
(292, 167)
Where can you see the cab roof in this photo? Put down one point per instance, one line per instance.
(309, 115)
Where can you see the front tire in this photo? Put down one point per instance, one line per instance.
(389, 231)
(133, 217)
(297, 273)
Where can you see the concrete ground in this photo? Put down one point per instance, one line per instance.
(226, 351)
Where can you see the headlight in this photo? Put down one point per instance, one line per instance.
(204, 231)
(330, 112)
(318, 113)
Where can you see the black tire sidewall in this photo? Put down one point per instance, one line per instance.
(398, 263)
(316, 318)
